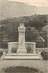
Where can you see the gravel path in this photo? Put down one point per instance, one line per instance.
(39, 64)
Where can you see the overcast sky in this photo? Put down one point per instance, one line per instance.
(43, 3)
(22, 7)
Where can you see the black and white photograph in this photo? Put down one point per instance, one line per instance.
(23, 36)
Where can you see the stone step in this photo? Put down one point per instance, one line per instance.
(22, 57)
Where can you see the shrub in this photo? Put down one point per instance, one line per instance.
(44, 54)
(1, 53)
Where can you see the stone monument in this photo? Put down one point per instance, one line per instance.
(21, 40)
(21, 48)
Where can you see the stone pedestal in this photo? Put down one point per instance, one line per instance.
(21, 46)
(34, 48)
(9, 48)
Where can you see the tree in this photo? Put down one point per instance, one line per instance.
(31, 34)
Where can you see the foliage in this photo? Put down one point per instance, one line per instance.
(44, 54)
(1, 53)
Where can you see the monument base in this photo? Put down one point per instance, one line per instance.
(21, 57)
(21, 51)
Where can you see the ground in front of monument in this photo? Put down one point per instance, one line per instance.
(41, 65)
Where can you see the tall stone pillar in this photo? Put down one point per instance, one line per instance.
(21, 39)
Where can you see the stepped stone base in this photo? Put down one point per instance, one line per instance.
(21, 57)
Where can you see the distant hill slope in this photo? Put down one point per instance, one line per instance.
(37, 21)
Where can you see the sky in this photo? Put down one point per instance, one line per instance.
(43, 3)
(22, 7)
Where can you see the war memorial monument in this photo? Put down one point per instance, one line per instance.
(21, 51)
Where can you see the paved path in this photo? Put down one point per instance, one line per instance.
(39, 64)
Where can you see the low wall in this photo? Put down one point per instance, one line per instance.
(28, 45)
